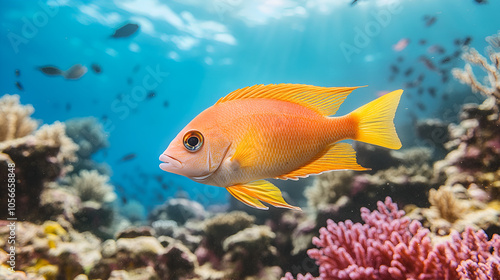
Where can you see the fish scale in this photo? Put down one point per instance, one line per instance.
(279, 131)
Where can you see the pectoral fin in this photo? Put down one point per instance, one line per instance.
(262, 190)
(244, 156)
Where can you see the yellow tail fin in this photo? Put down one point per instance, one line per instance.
(375, 121)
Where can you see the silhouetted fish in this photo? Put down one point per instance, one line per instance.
(467, 40)
(125, 31)
(445, 78)
(18, 73)
(481, 1)
(394, 69)
(354, 2)
(411, 84)
(158, 178)
(428, 63)
(401, 44)
(432, 91)
(446, 59)
(150, 95)
(96, 68)
(75, 72)
(429, 20)
(436, 49)
(128, 157)
(421, 106)
(444, 75)
(457, 53)
(165, 103)
(50, 70)
(19, 86)
(420, 78)
(422, 42)
(409, 71)
(420, 90)
(400, 59)
(124, 200)
(164, 186)
(457, 42)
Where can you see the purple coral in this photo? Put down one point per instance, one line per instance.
(390, 246)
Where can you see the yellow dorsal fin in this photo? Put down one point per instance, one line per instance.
(251, 193)
(339, 156)
(326, 100)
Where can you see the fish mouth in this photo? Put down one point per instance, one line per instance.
(169, 163)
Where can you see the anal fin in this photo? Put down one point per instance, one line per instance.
(340, 156)
(262, 190)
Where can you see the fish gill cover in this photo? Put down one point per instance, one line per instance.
(93, 91)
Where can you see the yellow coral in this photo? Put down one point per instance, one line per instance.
(45, 268)
(51, 227)
(15, 121)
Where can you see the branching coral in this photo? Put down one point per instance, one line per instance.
(390, 246)
(472, 56)
(92, 186)
(89, 134)
(15, 121)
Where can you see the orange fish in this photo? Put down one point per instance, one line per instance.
(278, 131)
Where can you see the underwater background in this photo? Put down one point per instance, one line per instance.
(113, 82)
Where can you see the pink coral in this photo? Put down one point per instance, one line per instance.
(390, 246)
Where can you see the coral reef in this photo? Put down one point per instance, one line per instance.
(390, 246)
(39, 156)
(15, 121)
(52, 250)
(84, 199)
(89, 134)
(491, 87)
(337, 195)
(218, 228)
(456, 208)
(179, 210)
(92, 186)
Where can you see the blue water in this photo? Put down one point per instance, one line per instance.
(203, 50)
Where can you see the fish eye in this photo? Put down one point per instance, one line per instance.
(193, 140)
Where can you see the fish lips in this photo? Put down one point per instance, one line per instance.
(169, 163)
